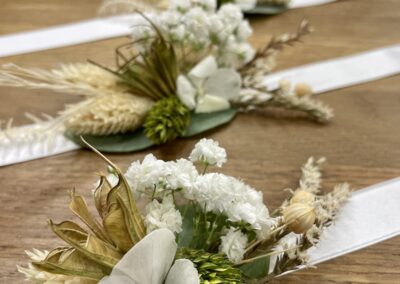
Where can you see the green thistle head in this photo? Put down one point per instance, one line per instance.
(212, 268)
(167, 120)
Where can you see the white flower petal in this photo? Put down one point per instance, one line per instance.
(117, 277)
(186, 92)
(204, 69)
(225, 83)
(211, 103)
(183, 272)
(148, 262)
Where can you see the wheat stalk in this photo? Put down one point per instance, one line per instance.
(109, 114)
(81, 78)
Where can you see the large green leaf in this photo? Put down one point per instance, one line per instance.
(136, 141)
(201, 122)
(256, 269)
(188, 213)
(118, 143)
(267, 9)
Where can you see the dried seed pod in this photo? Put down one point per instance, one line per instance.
(303, 90)
(302, 196)
(299, 217)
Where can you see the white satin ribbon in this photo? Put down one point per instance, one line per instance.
(85, 31)
(305, 3)
(22, 148)
(66, 35)
(372, 215)
(342, 72)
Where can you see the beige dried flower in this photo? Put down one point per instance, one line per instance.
(110, 114)
(304, 197)
(299, 217)
(303, 90)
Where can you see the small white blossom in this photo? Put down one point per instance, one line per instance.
(146, 175)
(226, 195)
(180, 174)
(244, 31)
(163, 215)
(234, 244)
(209, 152)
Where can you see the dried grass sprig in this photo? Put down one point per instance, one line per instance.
(311, 176)
(275, 45)
(285, 98)
(151, 73)
(81, 79)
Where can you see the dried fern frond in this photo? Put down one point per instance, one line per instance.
(286, 98)
(311, 176)
(82, 78)
(275, 45)
(110, 114)
(112, 7)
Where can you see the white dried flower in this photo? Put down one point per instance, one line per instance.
(233, 244)
(209, 152)
(226, 195)
(146, 176)
(180, 174)
(163, 215)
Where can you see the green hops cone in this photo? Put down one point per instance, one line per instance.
(167, 120)
(212, 268)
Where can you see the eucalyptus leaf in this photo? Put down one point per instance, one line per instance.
(256, 269)
(201, 122)
(118, 143)
(267, 9)
(188, 213)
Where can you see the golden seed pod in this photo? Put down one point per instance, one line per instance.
(303, 90)
(299, 217)
(302, 196)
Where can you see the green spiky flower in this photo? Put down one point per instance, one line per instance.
(212, 268)
(167, 120)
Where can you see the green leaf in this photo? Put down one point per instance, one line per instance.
(188, 213)
(256, 269)
(118, 143)
(201, 122)
(267, 9)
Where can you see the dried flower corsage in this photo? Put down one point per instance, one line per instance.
(196, 227)
(189, 69)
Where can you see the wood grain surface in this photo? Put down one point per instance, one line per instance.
(265, 149)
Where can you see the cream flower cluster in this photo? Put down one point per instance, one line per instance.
(199, 25)
(214, 192)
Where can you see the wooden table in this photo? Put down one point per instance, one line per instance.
(266, 150)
